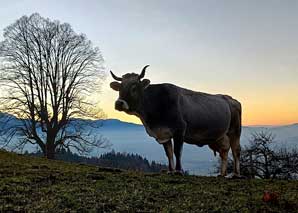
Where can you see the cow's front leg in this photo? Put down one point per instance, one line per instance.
(178, 145)
(169, 152)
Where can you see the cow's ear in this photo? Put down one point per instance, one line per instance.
(115, 85)
(145, 83)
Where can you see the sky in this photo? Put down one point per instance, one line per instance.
(247, 49)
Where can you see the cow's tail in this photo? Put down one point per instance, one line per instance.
(236, 116)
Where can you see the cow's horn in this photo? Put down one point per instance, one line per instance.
(143, 72)
(115, 77)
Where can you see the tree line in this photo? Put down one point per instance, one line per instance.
(127, 161)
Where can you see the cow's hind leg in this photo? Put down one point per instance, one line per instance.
(169, 152)
(224, 147)
(235, 146)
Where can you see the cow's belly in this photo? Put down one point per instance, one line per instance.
(201, 137)
(161, 134)
(197, 137)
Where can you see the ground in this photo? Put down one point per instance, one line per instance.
(37, 184)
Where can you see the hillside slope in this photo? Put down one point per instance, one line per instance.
(36, 184)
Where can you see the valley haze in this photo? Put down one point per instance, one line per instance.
(132, 138)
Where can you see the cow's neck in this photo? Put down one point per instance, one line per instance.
(139, 111)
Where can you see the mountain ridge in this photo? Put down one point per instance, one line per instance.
(118, 121)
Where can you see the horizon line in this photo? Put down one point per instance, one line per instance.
(244, 125)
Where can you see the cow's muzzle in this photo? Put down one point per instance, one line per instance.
(121, 105)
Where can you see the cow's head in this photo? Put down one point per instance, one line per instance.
(130, 87)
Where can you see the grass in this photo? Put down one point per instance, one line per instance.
(36, 184)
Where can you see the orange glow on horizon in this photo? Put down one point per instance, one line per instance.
(257, 117)
(276, 109)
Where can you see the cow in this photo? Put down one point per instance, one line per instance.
(169, 112)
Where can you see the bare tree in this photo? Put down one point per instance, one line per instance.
(48, 73)
(288, 163)
(262, 154)
(266, 160)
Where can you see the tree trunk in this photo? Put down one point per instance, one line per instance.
(50, 150)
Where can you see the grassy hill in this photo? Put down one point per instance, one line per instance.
(37, 184)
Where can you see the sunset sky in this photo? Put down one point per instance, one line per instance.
(247, 49)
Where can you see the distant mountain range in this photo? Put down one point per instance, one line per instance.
(286, 135)
(132, 138)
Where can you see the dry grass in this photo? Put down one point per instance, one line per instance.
(37, 184)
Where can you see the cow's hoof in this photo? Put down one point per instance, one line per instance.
(221, 176)
(163, 171)
(179, 173)
(238, 177)
(170, 172)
